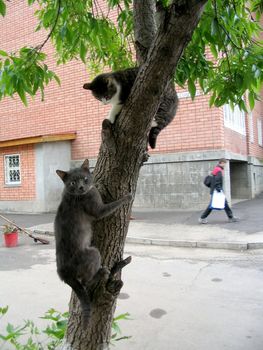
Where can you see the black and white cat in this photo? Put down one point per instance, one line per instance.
(78, 263)
(114, 88)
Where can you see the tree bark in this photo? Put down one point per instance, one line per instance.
(145, 27)
(120, 159)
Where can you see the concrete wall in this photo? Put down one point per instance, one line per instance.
(239, 180)
(49, 158)
(48, 186)
(255, 175)
(175, 180)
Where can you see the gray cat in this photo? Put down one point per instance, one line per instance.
(79, 264)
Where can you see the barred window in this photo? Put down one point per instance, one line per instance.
(12, 169)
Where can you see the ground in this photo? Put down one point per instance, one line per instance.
(178, 298)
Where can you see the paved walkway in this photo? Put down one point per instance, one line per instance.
(179, 228)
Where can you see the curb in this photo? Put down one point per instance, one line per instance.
(195, 244)
(183, 244)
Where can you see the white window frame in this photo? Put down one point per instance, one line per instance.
(7, 168)
(260, 136)
(234, 119)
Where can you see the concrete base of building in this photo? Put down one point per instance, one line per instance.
(173, 180)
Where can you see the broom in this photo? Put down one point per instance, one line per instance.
(36, 239)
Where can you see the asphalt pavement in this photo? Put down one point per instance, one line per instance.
(179, 297)
(179, 228)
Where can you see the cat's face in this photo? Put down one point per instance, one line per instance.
(78, 182)
(103, 88)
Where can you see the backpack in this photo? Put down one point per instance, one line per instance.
(208, 180)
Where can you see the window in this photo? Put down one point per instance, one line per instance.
(260, 139)
(235, 119)
(12, 169)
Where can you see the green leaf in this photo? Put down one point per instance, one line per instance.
(242, 105)
(257, 73)
(21, 93)
(2, 8)
(251, 100)
(191, 88)
(122, 317)
(214, 27)
(83, 51)
(214, 50)
(3, 310)
(57, 79)
(212, 100)
(3, 53)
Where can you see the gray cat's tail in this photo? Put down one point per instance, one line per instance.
(164, 115)
(84, 299)
(154, 132)
(86, 310)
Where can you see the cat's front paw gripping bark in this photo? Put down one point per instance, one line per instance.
(108, 136)
(128, 197)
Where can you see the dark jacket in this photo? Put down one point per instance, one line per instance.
(217, 183)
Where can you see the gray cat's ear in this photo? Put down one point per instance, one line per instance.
(87, 86)
(62, 174)
(85, 165)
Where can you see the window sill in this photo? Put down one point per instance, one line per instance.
(12, 185)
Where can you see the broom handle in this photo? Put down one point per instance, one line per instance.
(43, 241)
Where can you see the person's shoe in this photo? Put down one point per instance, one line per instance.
(202, 221)
(233, 219)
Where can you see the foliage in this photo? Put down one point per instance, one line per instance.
(116, 331)
(9, 229)
(30, 337)
(224, 57)
(27, 336)
(233, 64)
(24, 73)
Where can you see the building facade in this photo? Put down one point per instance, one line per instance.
(64, 129)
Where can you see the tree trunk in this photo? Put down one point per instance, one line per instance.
(119, 161)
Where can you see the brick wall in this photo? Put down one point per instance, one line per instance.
(195, 127)
(27, 189)
(71, 108)
(235, 142)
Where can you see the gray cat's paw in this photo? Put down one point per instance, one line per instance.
(106, 124)
(114, 287)
(104, 273)
(145, 157)
(128, 197)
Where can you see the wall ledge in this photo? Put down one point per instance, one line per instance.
(39, 139)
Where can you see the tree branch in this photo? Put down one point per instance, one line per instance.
(40, 47)
(166, 50)
(144, 27)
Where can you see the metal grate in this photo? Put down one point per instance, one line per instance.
(12, 169)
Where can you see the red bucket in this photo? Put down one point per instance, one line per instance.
(11, 239)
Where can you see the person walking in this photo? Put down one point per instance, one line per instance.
(217, 184)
